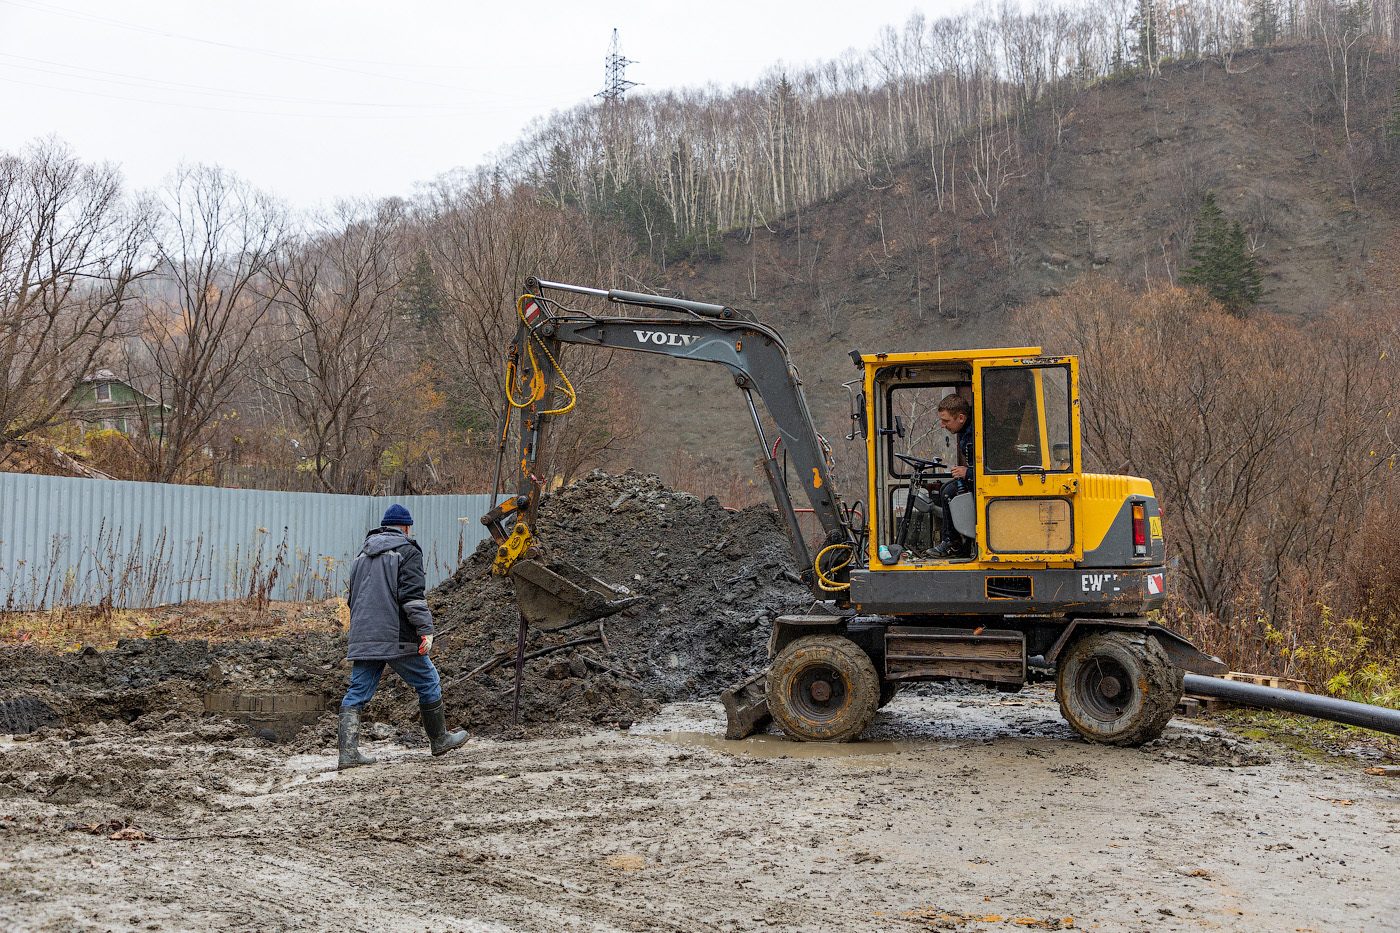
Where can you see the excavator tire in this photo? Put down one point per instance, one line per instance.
(823, 688)
(1118, 688)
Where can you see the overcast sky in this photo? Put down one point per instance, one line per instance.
(316, 100)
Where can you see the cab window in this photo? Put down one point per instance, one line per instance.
(924, 437)
(1026, 419)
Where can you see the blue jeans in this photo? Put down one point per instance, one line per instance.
(416, 670)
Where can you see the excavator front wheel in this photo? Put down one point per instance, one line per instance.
(823, 688)
(1118, 688)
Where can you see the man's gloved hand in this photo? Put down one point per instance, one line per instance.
(425, 644)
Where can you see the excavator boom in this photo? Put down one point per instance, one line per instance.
(755, 355)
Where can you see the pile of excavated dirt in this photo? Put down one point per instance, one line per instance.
(712, 581)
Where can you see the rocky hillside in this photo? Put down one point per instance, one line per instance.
(1108, 184)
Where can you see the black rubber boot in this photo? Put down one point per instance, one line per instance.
(435, 724)
(350, 739)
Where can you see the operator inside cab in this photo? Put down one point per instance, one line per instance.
(955, 415)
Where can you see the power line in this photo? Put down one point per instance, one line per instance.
(217, 109)
(81, 73)
(314, 61)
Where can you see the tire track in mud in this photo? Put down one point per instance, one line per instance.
(630, 868)
(449, 854)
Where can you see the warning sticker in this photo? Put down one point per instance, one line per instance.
(1156, 522)
(1155, 584)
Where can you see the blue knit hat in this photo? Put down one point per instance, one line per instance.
(397, 515)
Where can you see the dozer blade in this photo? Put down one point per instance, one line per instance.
(746, 706)
(558, 595)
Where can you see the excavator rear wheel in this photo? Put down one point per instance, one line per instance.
(823, 688)
(1117, 688)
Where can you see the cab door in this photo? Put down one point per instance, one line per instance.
(1028, 459)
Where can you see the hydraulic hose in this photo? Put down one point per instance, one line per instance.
(1365, 715)
(825, 582)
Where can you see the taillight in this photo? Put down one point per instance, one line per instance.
(1139, 529)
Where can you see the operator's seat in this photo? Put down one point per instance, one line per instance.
(962, 511)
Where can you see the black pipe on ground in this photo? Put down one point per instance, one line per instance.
(1379, 718)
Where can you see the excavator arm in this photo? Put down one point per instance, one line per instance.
(753, 353)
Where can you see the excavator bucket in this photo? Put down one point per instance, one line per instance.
(558, 595)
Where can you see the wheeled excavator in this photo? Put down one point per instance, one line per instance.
(1065, 570)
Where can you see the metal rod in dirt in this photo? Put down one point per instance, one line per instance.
(520, 673)
(502, 658)
(1365, 715)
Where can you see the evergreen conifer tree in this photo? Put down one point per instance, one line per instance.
(421, 298)
(1264, 23)
(1145, 23)
(1392, 121)
(1221, 261)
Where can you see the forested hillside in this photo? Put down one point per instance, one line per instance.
(1114, 191)
(981, 100)
(906, 195)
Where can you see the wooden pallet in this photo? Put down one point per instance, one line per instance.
(1192, 706)
(1189, 707)
(1268, 680)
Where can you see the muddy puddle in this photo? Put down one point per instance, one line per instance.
(777, 746)
(907, 723)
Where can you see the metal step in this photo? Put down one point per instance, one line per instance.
(993, 655)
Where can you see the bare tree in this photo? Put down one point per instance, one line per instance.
(1264, 440)
(328, 339)
(214, 240)
(483, 244)
(71, 248)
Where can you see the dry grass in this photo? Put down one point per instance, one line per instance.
(73, 627)
(1335, 624)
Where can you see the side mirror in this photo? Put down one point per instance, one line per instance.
(859, 424)
(896, 431)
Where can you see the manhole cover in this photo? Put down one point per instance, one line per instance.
(278, 715)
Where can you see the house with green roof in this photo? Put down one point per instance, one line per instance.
(104, 402)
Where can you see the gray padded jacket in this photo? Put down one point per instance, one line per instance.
(387, 610)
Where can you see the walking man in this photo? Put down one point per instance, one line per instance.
(390, 623)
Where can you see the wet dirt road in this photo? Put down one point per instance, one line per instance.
(961, 813)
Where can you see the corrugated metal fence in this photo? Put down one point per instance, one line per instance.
(81, 541)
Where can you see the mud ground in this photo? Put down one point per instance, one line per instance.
(969, 811)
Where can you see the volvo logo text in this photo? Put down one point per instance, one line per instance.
(665, 339)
